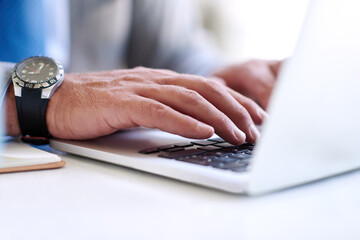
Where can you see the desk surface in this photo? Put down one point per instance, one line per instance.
(93, 200)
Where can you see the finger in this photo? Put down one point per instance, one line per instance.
(264, 94)
(134, 73)
(152, 114)
(256, 112)
(263, 91)
(219, 80)
(275, 66)
(164, 71)
(193, 104)
(218, 96)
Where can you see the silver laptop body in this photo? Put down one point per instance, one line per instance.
(313, 131)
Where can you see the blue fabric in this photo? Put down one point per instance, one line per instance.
(22, 29)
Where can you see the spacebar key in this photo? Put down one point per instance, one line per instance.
(181, 153)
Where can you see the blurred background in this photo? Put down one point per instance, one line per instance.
(245, 29)
(92, 35)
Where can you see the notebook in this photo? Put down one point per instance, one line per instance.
(16, 156)
(313, 131)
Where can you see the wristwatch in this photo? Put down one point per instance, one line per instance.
(35, 79)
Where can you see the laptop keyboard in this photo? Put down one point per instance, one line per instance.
(215, 153)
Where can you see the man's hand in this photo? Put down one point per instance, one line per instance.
(90, 105)
(255, 79)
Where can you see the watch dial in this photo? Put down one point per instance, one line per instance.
(37, 70)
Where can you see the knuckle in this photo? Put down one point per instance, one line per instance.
(269, 83)
(195, 78)
(245, 118)
(192, 96)
(132, 77)
(186, 95)
(246, 101)
(142, 71)
(153, 88)
(253, 105)
(140, 68)
(256, 62)
(215, 88)
(221, 118)
(159, 110)
(214, 85)
(244, 114)
(242, 111)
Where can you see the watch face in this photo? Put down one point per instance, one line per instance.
(38, 72)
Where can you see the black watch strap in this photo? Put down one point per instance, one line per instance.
(31, 110)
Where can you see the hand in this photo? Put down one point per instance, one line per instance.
(90, 105)
(255, 79)
(38, 71)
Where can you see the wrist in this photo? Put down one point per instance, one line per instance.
(11, 119)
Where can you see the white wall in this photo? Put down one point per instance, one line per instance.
(246, 29)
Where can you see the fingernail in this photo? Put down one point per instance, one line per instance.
(254, 132)
(240, 136)
(205, 129)
(262, 114)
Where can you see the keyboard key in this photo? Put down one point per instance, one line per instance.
(149, 150)
(249, 152)
(218, 165)
(240, 155)
(225, 145)
(165, 147)
(226, 159)
(239, 169)
(219, 153)
(209, 148)
(183, 144)
(217, 140)
(181, 153)
(231, 165)
(176, 149)
(203, 143)
(197, 159)
(215, 152)
(246, 146)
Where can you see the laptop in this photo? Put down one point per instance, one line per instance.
(313, 131)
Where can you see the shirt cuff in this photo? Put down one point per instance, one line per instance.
(5, 78)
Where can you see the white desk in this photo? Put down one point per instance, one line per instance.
(93, 200)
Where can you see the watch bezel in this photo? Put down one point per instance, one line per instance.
(46, 84)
